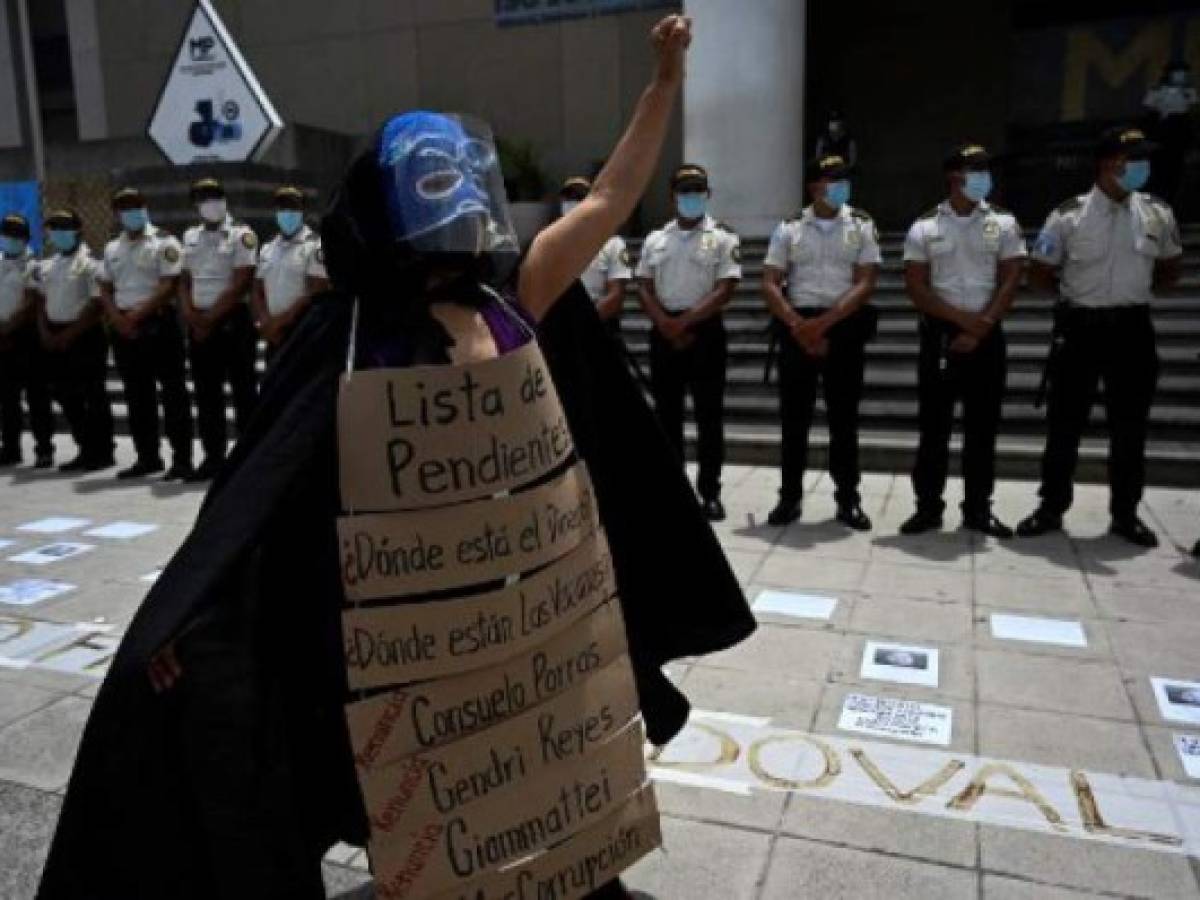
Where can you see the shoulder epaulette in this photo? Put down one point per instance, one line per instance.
(725, 227)
(932, 214)
(1071, 205)
(1158, 201)
(861, 214)
(997, 208)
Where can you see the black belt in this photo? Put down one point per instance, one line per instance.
(1107, 314)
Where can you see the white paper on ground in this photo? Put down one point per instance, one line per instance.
(122, 530)
(1178, 701)
(50, 553)
(28, 591)
(1188, 747)
(1065, 633)
(906, 720)
(900, 663)
(54, 525)
(797, 606)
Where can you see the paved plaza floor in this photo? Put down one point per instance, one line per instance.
(1071, 699)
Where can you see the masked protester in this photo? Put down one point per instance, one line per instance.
(224, 742)
(22, 361)
(72, 331)
(1106, 253)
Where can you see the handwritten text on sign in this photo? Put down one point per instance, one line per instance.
(395, 554)
(436, 435)
(496, 833)
(411, 642)
(423, 716)
(426, 787)
(578, 867)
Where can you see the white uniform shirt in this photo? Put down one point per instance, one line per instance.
(611, 264)
(686, 265)
(818, 256)
(16, 276)
(212, 255)
(134, 266)
(1107, 250)
(962, 252)
(283, 265)
(68, 282)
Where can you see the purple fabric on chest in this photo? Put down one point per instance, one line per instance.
(382, 351)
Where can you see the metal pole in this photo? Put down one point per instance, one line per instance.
(31, 94)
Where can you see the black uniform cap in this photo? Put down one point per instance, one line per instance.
(207, 189)
(128, 198)
(1123, 140)
(289, 196)
(689, 177)
(830, 166)
(970, 157)
(64, 218)
(575, 188)
(15, 225)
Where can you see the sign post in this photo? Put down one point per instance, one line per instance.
(212, 108)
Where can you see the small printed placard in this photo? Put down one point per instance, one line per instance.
(900, 663)
(51, 553)
(1188, 747)
(1178, 701)
(1064, 633)
(54, 525)
(28, 591)
(121, 530)
(906, 720)
(795, 606)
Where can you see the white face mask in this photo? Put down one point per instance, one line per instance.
(566, 206)
(213, 211)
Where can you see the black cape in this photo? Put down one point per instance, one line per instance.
(236, 781)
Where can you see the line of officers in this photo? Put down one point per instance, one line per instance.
(162, 304)
(1105, 253)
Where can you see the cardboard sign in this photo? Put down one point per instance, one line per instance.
(435, 435)
(429, 715)
(581, 865)
(497, 833)
(501, 761)
(417, 641)
(397, 554)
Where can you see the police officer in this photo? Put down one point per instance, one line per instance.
(829, 256)
(219, 257)
(605, 278)
(1105, 252)
(291, 270)
(138, 283)
(963, 263)
(72, 330)
(687, 274)
(22, 362)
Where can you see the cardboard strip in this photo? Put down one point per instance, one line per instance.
(500, 761)
(413, 642)
(435, 435)
(581, 865)
(497, 833)
(432, 714)
(398, 554)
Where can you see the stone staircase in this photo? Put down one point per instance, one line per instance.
(888, 428)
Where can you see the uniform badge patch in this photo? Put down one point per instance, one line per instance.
(1046, 244)
(737, 254)
(249, 241)
(171, 254)
(625, 258)
(852, 237)
(991, 229)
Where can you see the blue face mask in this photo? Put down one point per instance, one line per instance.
(1135, 176)
(134, 219)
(12, 246)
(289, 220)
(977, 186)
(64, 240)
(691, 206)
(837, 193)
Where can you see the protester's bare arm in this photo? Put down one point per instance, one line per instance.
(561, 252)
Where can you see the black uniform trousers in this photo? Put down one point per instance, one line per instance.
(154, 358)
(227, 355)
(23, 377)
(841, 377)
(699, 368)
(1118, 346)
(943, 378)
(77, 377)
